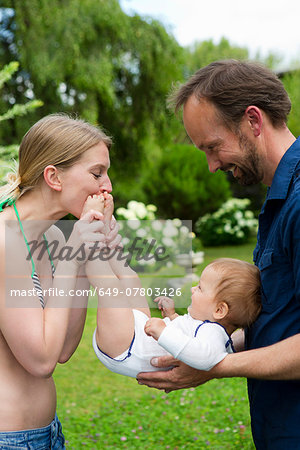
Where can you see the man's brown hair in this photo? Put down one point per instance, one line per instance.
(232, 86)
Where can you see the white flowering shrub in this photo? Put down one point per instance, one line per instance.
(136, 210)
(143, 234)
(233, 223)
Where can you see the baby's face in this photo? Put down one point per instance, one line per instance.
(203, 295)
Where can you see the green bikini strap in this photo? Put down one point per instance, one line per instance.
(52, 263)
(26, 242)
(6, 202)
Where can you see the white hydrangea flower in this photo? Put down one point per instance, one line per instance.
(249, 214)
(121, 212)
(141, 233)
(197, 257)
(168, 242)
(151, 208)
(177, 223)
(134, 224)
(238, 215)
(132, 205)
(169, 230)
(157, 225)
(184, 230)
(227, 228)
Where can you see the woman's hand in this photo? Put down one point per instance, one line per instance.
(87, 237)
(113, 239)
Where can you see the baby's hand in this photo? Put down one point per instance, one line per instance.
(154, 327)
(166, 305)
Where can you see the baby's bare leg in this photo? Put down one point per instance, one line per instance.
(130, 282)
(115, 320)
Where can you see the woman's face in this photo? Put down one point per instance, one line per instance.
(87, 177)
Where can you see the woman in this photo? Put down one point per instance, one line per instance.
(61, 162)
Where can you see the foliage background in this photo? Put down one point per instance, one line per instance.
(90, 59)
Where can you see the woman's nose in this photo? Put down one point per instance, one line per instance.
(106, 185)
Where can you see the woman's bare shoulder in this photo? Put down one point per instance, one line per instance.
(54, 233)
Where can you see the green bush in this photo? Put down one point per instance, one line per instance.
(233, 223)
(179, 183)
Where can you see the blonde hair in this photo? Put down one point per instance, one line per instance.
(56, 139)
(239, 286)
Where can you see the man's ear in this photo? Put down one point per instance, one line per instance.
(254, 118)
(221, 311)
(52, 178)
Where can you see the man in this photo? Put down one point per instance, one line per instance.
(236, 113)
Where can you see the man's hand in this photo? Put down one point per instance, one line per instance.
(154, 327)
(180, 376)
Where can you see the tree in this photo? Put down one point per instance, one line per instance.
(9, 152)
(90, 58)
(291, 81)
(203, 53)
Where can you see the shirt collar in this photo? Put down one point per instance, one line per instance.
(284, 172)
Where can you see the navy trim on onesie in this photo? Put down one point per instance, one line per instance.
(119, 360)
(229, 342)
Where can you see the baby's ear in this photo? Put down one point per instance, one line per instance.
(221, 310)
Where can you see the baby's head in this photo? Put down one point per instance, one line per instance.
(229, 290)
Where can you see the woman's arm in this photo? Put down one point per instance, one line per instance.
(37, 336)
(77, 318)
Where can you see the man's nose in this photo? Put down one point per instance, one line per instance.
(213, 164)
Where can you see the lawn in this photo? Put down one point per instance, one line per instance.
(102, 410)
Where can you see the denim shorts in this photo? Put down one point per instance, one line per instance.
(45, 438)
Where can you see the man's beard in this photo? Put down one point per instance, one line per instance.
(251, 167)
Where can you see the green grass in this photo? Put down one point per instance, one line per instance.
(102, 410)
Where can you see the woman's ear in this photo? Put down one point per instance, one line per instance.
(52, 178)
(221, 310)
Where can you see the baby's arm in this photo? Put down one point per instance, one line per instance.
(166, 305)
(202, 352)
(154, 327)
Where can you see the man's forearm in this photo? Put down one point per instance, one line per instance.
(280, 361)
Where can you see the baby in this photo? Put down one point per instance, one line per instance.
(226, 298)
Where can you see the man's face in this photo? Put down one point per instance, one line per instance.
(224, 149)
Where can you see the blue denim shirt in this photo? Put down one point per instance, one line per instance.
(275, 405)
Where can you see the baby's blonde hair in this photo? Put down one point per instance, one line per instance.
(56, 139)
(239, 286)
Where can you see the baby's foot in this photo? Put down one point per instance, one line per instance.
(108, 207)
(95, 202)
